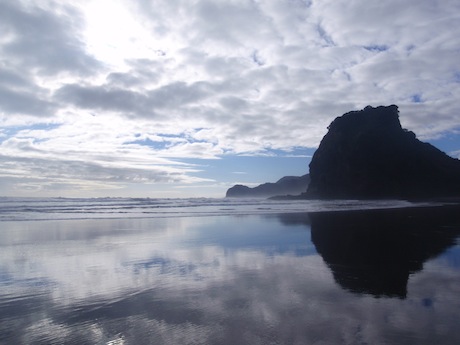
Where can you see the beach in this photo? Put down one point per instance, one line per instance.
(366, 274)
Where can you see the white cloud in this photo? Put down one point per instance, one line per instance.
(236, 76)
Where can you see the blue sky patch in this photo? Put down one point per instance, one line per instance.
(157, 145)
(448, 143)
(254, 169)
(376, 48)
(417, 98)
(9, 132)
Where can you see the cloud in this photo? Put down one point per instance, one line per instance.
(46, 159)
(229, 78)
(19, 94)
(103, 98)
(24, 102)
(40, 41)
(44, 36)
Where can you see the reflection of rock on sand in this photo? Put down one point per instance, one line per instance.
(375, 251)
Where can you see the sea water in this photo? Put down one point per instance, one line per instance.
(95, 208)
(228, 271)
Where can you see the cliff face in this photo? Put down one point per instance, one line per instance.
(292, 185)
(366, 154)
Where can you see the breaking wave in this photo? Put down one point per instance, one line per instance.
(15, 209)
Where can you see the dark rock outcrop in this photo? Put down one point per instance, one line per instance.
(288, 185)
(367, 155)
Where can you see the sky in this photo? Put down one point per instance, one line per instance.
(185, 98)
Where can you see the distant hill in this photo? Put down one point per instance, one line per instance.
(366, 154)
(288, 185)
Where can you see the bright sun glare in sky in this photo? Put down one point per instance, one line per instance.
(112, 34)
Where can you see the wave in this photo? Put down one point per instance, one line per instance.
(27, 209)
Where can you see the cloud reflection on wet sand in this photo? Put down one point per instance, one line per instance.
(193, 281)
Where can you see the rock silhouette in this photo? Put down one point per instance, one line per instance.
(375, 251)
(293, 185)
(366, 154)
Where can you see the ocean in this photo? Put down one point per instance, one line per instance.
(96, 208)
(228, 271)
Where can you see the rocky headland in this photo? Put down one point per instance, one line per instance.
(288, 185)
(366, 154)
